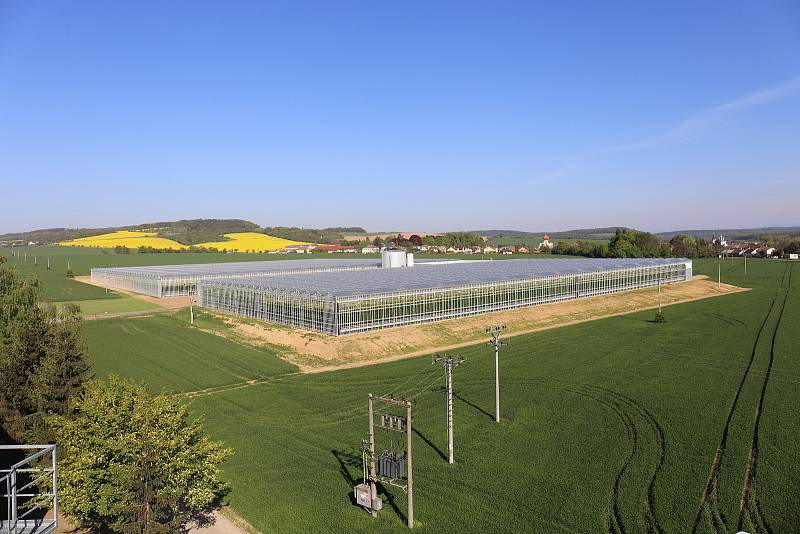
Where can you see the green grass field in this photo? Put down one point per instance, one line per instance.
(611, 425)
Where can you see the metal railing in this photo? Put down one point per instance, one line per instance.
(21, 485)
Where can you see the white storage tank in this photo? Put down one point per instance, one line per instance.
(393, 258)
(410, 259)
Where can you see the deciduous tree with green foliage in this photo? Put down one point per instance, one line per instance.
(134, 462)
(42, 360)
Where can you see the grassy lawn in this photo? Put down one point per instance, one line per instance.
(612, 423)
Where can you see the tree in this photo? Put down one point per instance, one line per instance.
(134, 462)
(42, 360)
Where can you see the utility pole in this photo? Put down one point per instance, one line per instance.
(719, 276)
(745, 264)
(191, 309)
(659, 295)
(399, 466)
(67, 265)
(495, 342)
(373, 494)
(449, 362)
(48, 263)
(409, 478)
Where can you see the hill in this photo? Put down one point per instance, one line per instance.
(185, 232)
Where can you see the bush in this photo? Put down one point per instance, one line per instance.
(70, 274)
(660, 317)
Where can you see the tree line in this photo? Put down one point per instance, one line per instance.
(129, 461)
(635, 244)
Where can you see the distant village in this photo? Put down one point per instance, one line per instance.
(750, 249)
(721, 247)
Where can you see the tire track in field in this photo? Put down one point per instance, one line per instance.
(627, 410)
(708, 501)
(748, 504)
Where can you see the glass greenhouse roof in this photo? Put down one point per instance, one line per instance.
(241, 267)
(435, 275)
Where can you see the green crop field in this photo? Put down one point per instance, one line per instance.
(621, 424)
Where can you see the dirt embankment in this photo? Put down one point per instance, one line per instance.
(313, 352)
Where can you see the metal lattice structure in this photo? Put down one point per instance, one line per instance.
(180, 280)
(340, 303)
(30, 491)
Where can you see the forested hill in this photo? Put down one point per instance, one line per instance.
(188, 232)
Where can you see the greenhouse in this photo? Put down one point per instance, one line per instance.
(340, 303)
(179, 280)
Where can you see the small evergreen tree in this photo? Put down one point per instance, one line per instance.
(42, 360)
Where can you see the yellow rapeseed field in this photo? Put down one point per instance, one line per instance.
(251, 242)
(124, 238)
(239, 242)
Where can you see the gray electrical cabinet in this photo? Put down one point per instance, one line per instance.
(362, 498)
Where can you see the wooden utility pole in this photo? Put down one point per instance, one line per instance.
(393, 423)
(409, 472)
(373, 493)
(449, 362)
(495, 342)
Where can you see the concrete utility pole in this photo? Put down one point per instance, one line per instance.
(745, 264)
(449, 362)
(659, 295)
(191, 309)
(719, 276)
(68, 265)
(495, 342)
(48, 263)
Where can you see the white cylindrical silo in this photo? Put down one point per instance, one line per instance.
(393, 258)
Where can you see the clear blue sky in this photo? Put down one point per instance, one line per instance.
(401, 115)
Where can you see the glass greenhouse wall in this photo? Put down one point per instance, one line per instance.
(347, 303)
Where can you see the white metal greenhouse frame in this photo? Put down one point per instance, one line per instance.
(180, 280)
(347, 303)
